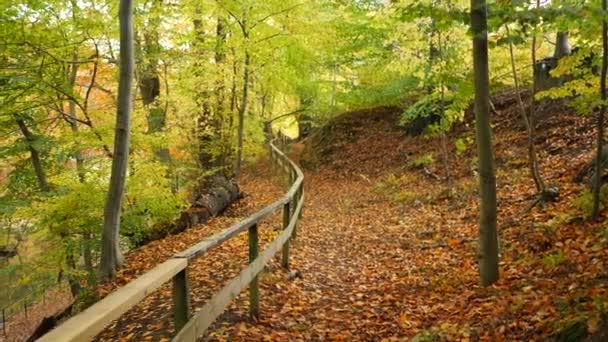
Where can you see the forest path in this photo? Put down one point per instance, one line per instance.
(348, 257)
(401, 261)
(350, 265)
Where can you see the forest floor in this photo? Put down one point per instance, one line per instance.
(152, 319)
(385, 252)
(21, 324)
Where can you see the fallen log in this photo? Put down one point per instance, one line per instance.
(213, 198)
(6, 252)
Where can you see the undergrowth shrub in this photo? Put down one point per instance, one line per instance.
(461, 146)
(150, 205)
(554, 259)
(406, 196)
(396, 188)
(424, 160)
(428, 335)
(389, 185)
(423, 108)
(584, 202)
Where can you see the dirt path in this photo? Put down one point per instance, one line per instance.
(401, 264)
(348, 261)
(349, 256)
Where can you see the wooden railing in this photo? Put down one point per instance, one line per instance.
(93, 320)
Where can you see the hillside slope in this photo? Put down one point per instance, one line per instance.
(385, 252)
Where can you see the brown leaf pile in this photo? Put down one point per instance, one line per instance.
(374, 265)
(152, 319)
(374, 268)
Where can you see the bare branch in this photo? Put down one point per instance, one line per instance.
(93, 78)
(263, 19)
(270, 37)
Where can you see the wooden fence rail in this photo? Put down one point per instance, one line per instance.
(93, 320)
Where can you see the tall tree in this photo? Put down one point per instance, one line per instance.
(245, 96)
(562, 45)
(149, 78)
(34, 154)
(249, 24)
(530, 125)
(600, 118)
(111, 257)
(207, 118)
(488, 237)
(220, 95)
(527, 118)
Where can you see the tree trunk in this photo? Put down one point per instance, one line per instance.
(149, 86)
(73, 119)
(444, 138)
(540, 185)
(243, 112)
(87, 253)
(207, 121)
(86, 244)
(34, 155)
(562, 45)
(532, 157)
(214, 197)
(149, 80)
(233, 88)
(70, 261)
(220, 95)
(488, 237)
(597, 186)
(111, 257)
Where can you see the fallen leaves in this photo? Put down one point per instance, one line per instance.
(384, 270)
(152, 319)
(377, 269)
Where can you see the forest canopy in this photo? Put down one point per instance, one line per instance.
(211, 80)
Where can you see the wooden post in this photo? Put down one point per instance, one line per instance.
(294, 233)
(273, 162)
(296, 201)
(300, 194)
(291, 180)
(254, 290)
(286, 219)
(181, 300)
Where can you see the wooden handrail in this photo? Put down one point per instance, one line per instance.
(197, 326)
(93, 320)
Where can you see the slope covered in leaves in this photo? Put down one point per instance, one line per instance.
(385, 253)
(152, 319)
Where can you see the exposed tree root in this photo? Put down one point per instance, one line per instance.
(550, 194)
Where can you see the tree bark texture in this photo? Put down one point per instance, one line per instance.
(600, 119)
(43, 184)
(488, 237)
(111, 257)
